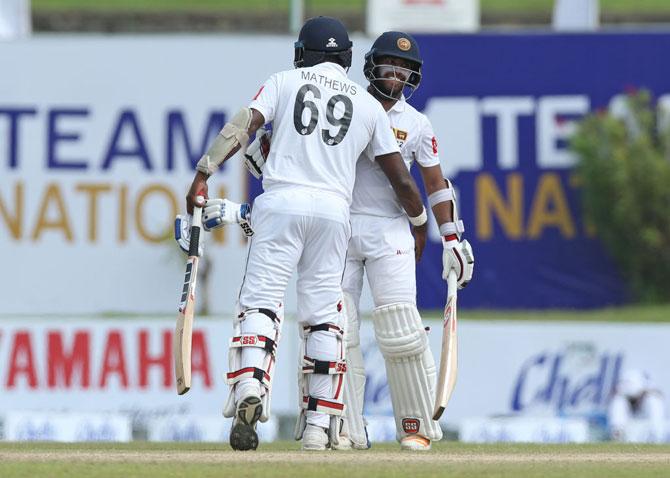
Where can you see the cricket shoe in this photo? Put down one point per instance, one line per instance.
(243, 435)
(314, 438)
(415, 443)
(344, 443)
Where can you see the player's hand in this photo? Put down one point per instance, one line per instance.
(257, 152)
(220, 212)
(419, 233)
(197, 192)
(458, 256)
(182, 233)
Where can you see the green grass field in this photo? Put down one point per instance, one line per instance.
(631, 313)
(284, 459)
(487, 6)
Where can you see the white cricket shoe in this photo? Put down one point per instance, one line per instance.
(243, 435)
(345, 443)
(415, 443)
(314, 438)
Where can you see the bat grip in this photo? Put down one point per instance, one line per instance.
(452, 283)
(195, 232)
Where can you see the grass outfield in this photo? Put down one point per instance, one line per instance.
(284, 459)
(487, 6)
(631, 313)
(625, 314)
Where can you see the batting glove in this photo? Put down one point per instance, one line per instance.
(219, 212)
(458, 256)
(182, 233)
(257, 152)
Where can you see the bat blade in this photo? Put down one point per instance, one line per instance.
(184, 328)
(449, 353)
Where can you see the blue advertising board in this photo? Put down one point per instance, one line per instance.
(503, 107)
(520, 203)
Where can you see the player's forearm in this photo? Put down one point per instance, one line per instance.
(434, 182)
(409, 196)
(403, 185)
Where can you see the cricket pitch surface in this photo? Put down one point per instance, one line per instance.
(285, 459)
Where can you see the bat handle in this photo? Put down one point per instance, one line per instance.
(452, 283)
(197, 217)
(196, 225)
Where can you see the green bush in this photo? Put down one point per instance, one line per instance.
(624, 168)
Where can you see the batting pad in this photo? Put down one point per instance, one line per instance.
(410, 369)
(354, 390)
(259, 329)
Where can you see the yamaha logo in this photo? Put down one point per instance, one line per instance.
(331, 43)
(404, 44)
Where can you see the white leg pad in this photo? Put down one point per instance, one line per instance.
(354, 388)
(333, 405)
(410, 369)
(252, 355)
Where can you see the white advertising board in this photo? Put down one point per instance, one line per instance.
(647, 431)
(67, 427)
(534, 369)
(123, 366)
(430, 16)
(202, 428)
(98, 136)
(505, 368)
(524, 430)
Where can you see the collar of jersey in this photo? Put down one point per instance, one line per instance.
(332, 66)
(399, 105)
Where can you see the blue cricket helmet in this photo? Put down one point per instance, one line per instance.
(322, 39)
(396, 45)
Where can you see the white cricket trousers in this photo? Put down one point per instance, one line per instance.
(307, 231)
(383, 248)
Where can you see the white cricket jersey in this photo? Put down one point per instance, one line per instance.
(322, 122)
(373, 194)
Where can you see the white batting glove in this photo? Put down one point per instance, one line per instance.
(257, 152)
(182, 233)
(458, 256)
(219, 212)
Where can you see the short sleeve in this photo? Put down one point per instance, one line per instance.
(426, 151)
(383, 141)
(267, 98)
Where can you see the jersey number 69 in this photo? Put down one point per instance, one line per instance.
(304, 129)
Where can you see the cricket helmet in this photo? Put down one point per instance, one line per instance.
(395, 45)
(322, 39)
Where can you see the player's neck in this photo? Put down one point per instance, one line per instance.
(387, 103)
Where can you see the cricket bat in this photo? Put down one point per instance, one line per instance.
(446, 379)
(184, 329)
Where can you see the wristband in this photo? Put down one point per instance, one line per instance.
(419, 220)
(449, 228)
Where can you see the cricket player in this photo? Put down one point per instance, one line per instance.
(382, 245)
(322, 123)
